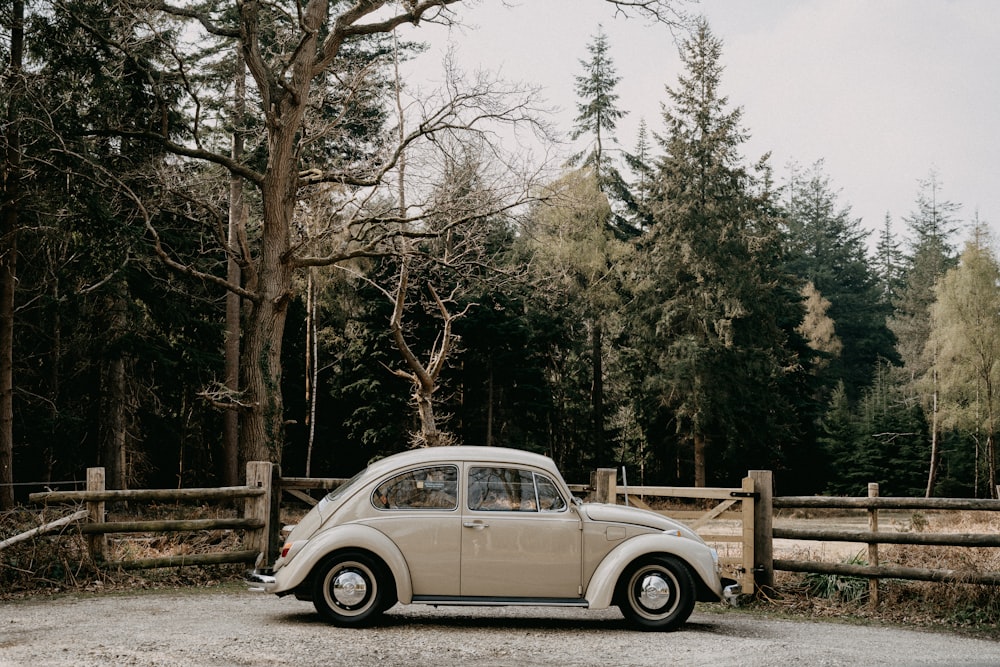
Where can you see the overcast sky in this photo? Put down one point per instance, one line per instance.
(884, 91)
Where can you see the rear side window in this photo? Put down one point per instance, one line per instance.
(512, 490)
(424, 488)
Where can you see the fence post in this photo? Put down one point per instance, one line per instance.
(96, 543)
(763, 545)
(606, 485)
(873, 546)
(748, 510)
(263, 474)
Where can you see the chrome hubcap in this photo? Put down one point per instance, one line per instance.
(349, 588)
(654, 592)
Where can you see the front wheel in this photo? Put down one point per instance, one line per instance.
(349, 589)
(657, 593)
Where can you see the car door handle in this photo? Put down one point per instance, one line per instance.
(478, 525)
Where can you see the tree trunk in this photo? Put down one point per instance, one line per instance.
(10, 182)
(113, 404)
(991, 453)
(489, 404)
(429, 432)
(932, 474)
(55, 377)
(113, 420)
(597, 394)
(262, 432)
(237, 227)
(991, 449)
(312, 367)
(700, 445)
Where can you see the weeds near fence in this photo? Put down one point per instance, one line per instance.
(958, 604)
(55, 562)
(963, 606)
(60, 562)
(837, 587)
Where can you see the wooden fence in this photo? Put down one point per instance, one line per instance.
(256, 521)
(756, 566)
(751, 506)
(873, 537)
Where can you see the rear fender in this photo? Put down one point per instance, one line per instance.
(348, 536)
(702, 560)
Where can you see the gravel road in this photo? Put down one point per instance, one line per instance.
(226, 627)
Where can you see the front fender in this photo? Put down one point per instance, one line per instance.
(348, 536)
(701, 558)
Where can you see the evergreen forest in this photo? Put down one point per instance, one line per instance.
(230, 231)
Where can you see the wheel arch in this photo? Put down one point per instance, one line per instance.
(697, 557)
(299, 572)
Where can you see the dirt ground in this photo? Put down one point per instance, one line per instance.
(228, 626)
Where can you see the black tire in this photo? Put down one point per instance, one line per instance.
(351, 589)
(657, 593)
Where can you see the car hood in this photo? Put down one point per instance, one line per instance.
(636, 517)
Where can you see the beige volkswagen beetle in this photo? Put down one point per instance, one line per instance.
(487, 526)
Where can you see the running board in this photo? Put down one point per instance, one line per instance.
(482, 601)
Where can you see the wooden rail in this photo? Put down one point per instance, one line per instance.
(873, 537)
(255, 523)
(296, 486)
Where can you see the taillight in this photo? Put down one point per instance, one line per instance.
(285, 549)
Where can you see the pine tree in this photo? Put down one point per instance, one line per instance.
(930, 256)
(598, 113)
(717, 310)
(827, 247)
(597, 119)
(643, 171)
(889, 263)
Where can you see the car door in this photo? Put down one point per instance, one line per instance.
(418, 510)
(520, 537)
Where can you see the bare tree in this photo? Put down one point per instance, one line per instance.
(440, 272)
(305, 86)
(424, 375)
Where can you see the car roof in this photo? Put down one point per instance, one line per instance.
(458, 453)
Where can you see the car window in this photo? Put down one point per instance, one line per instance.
(549, 499)
(345, 487)
(424, 488)
(496, 489)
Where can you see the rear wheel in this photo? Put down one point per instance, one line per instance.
(350, 589)
(657, 593)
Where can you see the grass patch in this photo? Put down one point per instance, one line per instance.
(837, 587)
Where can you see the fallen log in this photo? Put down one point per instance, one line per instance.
(47, 528)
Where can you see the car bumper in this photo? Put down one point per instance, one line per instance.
(262, 581)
